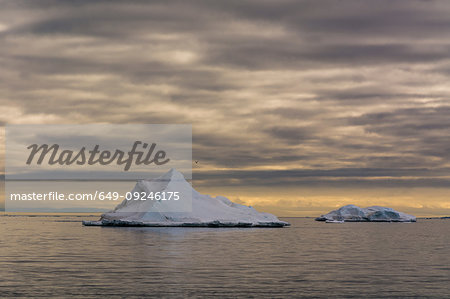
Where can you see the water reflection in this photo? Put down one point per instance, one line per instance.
(46, 257)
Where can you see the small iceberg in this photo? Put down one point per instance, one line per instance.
(206, 211)
(352, 213)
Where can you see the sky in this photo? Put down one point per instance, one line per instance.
(297, 107)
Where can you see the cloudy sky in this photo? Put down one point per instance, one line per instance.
(296, 106)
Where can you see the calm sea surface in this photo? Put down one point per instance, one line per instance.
(58, 257)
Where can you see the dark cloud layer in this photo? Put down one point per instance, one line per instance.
(268, 85)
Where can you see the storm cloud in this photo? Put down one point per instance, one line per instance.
(317, 88)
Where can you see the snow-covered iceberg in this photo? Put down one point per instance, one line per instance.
(206, 211)
(352, 213)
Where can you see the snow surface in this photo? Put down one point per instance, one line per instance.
(206, 210)
(352, 213)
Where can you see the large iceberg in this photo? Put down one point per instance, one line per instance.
(206, 211)
(352, 213)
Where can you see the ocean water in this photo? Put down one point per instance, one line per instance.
(58, 257)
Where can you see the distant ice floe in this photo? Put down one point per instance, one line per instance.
(352, 213)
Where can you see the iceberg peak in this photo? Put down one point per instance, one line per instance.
(171, 175)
